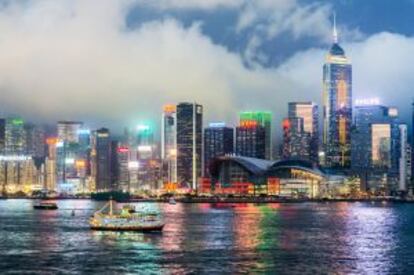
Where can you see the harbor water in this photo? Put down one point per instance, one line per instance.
(292, 238)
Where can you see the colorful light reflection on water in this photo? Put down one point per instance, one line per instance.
(338, 238)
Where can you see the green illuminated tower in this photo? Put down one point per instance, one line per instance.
(264, 119)
(14, 136)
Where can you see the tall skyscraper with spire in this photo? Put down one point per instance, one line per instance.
(337, 109)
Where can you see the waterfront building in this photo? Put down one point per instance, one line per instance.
(68, 131)
(149, 173)
(2, 135)
(15, 137)
(251, 176)
(102, 150)
(375, 151)
(73, 158)
(264, 119)
(308, 111)
(51, 164)
(409, 166)
(296, 141)
(251, 139)
(169, 142)
(122, 167)
(189, 143)
(19, 175)
(218, 141)
(412, 145)
(402, 186)
(337, 106)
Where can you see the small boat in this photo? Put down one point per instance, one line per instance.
(172, 201)
(45, 205)
(142, 221)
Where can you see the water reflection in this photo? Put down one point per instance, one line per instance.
(325, 238)
(371, 237)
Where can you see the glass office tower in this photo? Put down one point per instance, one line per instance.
(218, 141)
(337, 109)
(189, 143)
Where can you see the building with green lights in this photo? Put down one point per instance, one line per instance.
(15, 141)
(263, 119)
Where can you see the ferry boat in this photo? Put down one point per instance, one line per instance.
(126, 220)
(172, 201)
(45, 205)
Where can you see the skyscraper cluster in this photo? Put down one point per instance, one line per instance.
(366, 141)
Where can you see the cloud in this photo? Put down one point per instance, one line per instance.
(69, 60)
(190, 4)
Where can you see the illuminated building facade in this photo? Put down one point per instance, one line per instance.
(73, 158)
(308, 112)
(103, 160)
(250, 176)
(19, 175)
(189, 143)
(337, 109)
(376, 144)
(122, 169)
(409, 165)
(251, 139)
(296, 141)
(403, 175)
(169, 142)
(264, 119)
(35, 140)
(15, 137)
(67, 131)
(412, 146)
(2, 135)
(145, 141)
(149, 173)
(51, 164)
(218, 141)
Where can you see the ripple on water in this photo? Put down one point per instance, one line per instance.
(334, 238)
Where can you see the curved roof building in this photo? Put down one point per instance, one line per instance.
(254, 167)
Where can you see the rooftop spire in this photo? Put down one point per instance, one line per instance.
(334, 31)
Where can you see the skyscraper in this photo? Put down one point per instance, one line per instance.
(412, 146)
(402, 186)
(218, 141)
(189, 143)
(296, 141)
(250, 139)
(15, 138)
(337, 109)
(67, 131)
(375, 149)
(2, 135)
(122, 167)
(35, 140)
(103, 160)
(149, 163)
(308, 112)
(169, 142)
(145, 141)
(264, 119)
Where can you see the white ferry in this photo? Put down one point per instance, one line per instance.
(126, 220)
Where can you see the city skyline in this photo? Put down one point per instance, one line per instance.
(134, 34)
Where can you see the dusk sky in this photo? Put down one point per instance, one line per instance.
(117, 62)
